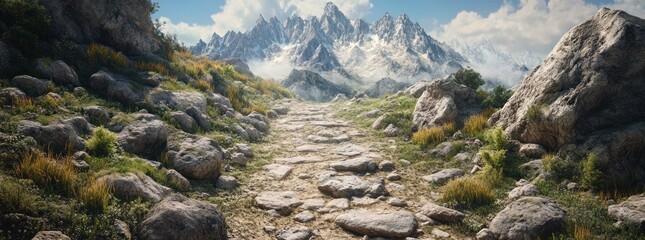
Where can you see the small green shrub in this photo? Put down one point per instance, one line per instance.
(560, 168)
(102, 143)
(26, 22)
(591, 174)
(468, 192)
(428, 136)
(497, 97)
(469, 78)
(496, 138)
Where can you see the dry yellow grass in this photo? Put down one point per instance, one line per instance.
(428, 136)
(475, 124)
(449, 127)
(94, 196)
(100, 54)
(581, 233)
(25, 104)
(202, 85)
(263, 109)
(468, 192)
(48, 172)
(153, 67)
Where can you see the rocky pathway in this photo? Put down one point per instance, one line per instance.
(326, 179)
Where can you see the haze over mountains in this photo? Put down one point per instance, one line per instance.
(356, 52)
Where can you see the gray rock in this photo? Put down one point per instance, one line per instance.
(528, 218)
(339, 97)
(395, 187)
(313, 204)
(254, 134)
(397, 202)
(357, 165)
(300, 160)
(393, 177)
(445, 101)
(55, 137)
(50, 235)
(391, 131)
(63, 74)
(144, 138)
(379, 123)
(151, 79)
(184, 121)
(282, 110)
(115, 87)
(440, 233)
(282, 202)
(239, 159)
(305, 216)
(180, 181)
(441, 150)
(180, 101)
(277, 171)
(335, 205)
(97, 115)
(122, 230)
(462, 157)
(272, 114)
(372, 114)
(239, 130)
(441, 214)
(485, 234)
(11, 95)
(569, 107)
(226, 183)
(631, 211)
(523, 191)
(196, 158)
(130, 186)
(444, 175)
(258, 116)
(80, 124)
(219, 99)
(351, 186)
(417, 89)
(573, 186)
(386, 166)
(294, 233)
(201, 119)
(244, 149)
(531, 150)
(309, 148)
(5, 57)
(32, 86)
(397, 224)
(179, 217)
(257, 124)
(132, 32)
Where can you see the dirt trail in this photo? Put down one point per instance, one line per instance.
(301, 147)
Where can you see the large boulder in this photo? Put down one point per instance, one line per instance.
(587, 93)
(417, 89)
(445, 101)
(63, 74)
(135, 185)
(32, 86)
(631, 211)
(97, 115)
(528, 218)
(179, 217)
(179, 100)
(57, 137)
(11, 95)
(144, 138)
(124, 25)
(399, 224)
(115, 87)
(196, 158)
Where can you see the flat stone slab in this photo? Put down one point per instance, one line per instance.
(328, 124)
(329, 133)
(313, 204)
(528, 218)
(350, 150)
(358, 165)
(351, 186)
(632, 211)
(320, 139)
(394, 224)
(294, 233)
(299, 160)
(309, 148)
(444, 176)
(281, 202)
(277, 171)
(441, 214)
(294, 127)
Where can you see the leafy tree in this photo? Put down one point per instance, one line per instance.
(469, 78)
(497, 97)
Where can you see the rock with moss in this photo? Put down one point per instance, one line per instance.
(57, 137)
(179, 217)
(176, 179)
(32, 86)
(180, 100)
(63, 74)
(11, 95)
(97, 115)
(130, 186)
(147, 139)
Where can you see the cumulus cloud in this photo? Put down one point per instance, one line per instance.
(237, 15)
(535, 25)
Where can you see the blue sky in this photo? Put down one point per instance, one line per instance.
(512, 25)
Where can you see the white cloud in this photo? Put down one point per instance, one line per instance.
(535, 25)
(237, 15)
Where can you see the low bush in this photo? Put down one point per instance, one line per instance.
(469, 78)
(475, 124)
(591, 174)
(468, 192)
(47, 172)
(24, 23)
(102, 143)
(428, 136)
(497, 97)
(559, 168)
(496, 138)
(94, 196)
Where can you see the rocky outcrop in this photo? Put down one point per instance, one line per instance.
(631, 211)
(115, 87)
(144, 138)
(313, 87)
(588, 92)
(55, 137)
(124, 25)
(528, 218)
(179, 217)
(32, 86)
(399, 224)
(130, 186)
(179, 100)
(385, 86)
(196, 158)
(445, 101)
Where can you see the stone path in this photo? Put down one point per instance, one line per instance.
(324, 174)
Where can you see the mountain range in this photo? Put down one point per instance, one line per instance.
(355, 52)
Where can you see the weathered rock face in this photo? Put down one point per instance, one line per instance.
(587, 92)
(528, 218)
(54, 137)
(444, 101)
(144, 138)
(398, 224)
(179, 100)
(124, 25)
(130, 186)
(115, 87)
(632, 211)
(179, 217)
(196, 158)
